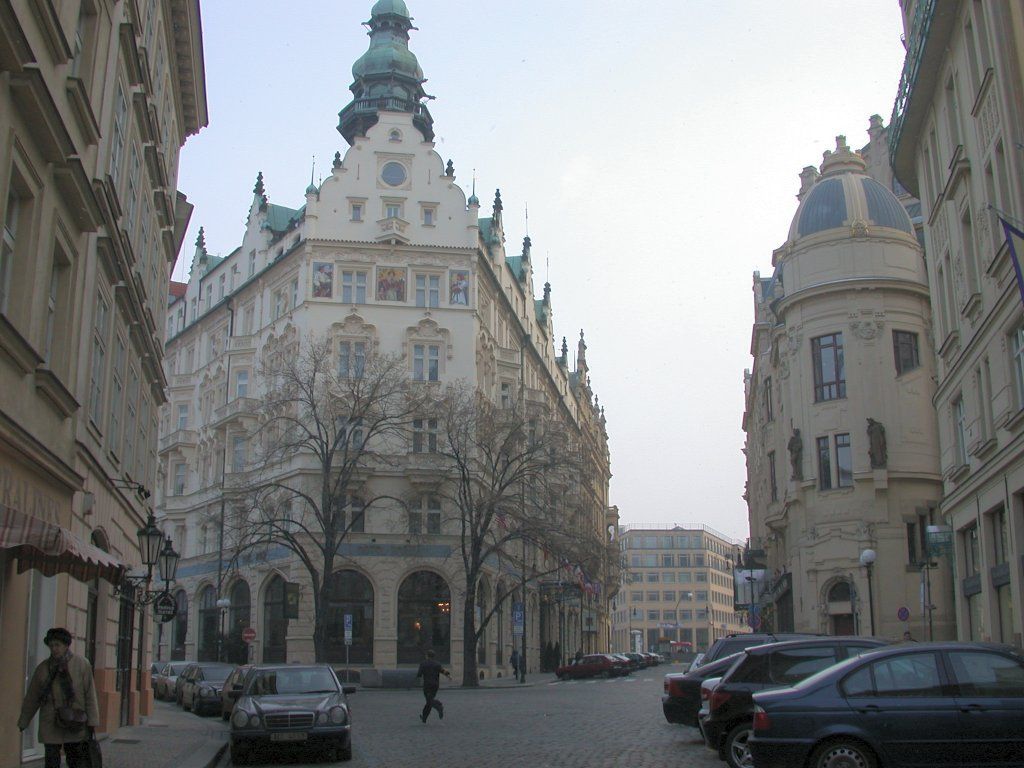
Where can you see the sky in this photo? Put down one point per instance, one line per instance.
(656, 146)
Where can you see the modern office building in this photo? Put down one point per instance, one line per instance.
(957, 143)
(388, 256)
(676, 594)
(96, 100)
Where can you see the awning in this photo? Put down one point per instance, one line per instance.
(51, 549)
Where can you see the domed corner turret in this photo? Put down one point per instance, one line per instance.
(846, 201)
(388, 77)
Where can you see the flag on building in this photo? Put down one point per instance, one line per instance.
(1014, 241)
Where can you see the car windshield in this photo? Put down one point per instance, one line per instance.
(270, 682)
(176, 668)
(216, 673)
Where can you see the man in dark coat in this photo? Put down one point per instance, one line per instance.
(431, 670)
(63, 680)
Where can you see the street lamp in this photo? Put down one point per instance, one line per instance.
(150, 540)
(867, 559)
(222, 605)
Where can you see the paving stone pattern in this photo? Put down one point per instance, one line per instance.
(547, 724)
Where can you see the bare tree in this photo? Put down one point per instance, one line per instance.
(509, 478)
(328, 420)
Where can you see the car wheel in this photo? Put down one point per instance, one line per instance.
(843, 753)
(737, 751)
(239, 756)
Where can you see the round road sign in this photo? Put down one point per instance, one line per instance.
(248, 634)
(903, 613)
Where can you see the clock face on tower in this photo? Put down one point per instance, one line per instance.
(393, 174)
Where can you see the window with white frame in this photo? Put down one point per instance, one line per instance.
(392, 210)
(58, 272)
(429, 215)
(844, 461)
(824, 464)
(426, 362)
(120, 133)
(116, 394)
(428, 290)
(351, 359)
(252, 263)
(182, 415)
(506, 395)
(7, 249)
(242, 383)
(209, 297)
(221, 284)
(278, 304)
(178, 489)
(904, 344)
(295, 293)
(351, 435)
(132, 192)
(356, 210)
(99, 352)
(425, 517)
(238, 453)
(130, 419)
(1017, 344)
(353, 286)
(351, 513)
(829, 367)
(424, 435)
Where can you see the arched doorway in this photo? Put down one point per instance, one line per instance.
(179, 628)
(236, 650)
(840, 609)
(351, 593)
(207, 625)
(424, 618)
(275, 625)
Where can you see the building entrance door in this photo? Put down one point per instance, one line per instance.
(842, 624)
(125, 634)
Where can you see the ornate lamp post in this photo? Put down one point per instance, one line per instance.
(156, 551)
(867, 559)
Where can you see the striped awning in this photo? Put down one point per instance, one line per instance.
(51, 549)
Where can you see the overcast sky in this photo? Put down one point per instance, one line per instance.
(657, 145)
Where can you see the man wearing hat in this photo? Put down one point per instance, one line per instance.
(60, 682)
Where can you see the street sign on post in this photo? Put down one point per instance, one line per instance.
(165, 607)
(517, 619)
(248, 635)
(903, 613)
(348, 629)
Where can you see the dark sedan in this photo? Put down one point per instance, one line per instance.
(593, 665)
(914, 704)
(200, 691)
(681, 701)
(164, 682)
(296, 705)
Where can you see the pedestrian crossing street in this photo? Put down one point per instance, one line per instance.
(611, 680)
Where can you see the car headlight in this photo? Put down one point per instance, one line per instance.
(205, 691)
(321, 718)
(240, 719)
(339, 716)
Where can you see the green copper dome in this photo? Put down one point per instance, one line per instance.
(386, 57)
(395, 7)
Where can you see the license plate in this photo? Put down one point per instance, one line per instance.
(288, 737)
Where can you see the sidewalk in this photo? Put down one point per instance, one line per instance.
(169, 738)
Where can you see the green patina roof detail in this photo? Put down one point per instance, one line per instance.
(538, 308)
(515, 263)
(211, 262)
(280, 218)
(486, 230)
(396, 7)
(574, 379)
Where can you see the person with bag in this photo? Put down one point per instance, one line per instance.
(62, 691)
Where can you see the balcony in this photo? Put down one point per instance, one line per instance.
(240, 406)
(187, 437)
(927, 40)
(181, 380)
(242, 344)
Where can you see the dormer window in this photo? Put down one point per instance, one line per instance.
(395, 136)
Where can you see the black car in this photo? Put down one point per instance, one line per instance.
(164, 683)
(727, 726)
(681, 701)
(737, 641)
(291, 705)
(200, 689)
(920, 704)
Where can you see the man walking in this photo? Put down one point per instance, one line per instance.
(431, 670)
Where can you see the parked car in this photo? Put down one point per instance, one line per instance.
(681, 701)
(728, 724)
(695, 662)
(164, 681)
(592, 665)
(641, 662)
(298, 705)
(707, 688)
(234, 682)
(200, 692)
(652, 658)
(631, 664)
(737, 641)
(920, 704)
(180, 681)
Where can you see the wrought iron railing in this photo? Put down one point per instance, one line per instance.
(916, 39)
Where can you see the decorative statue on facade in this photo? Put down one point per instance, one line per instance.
(796, 455)
(876, 444)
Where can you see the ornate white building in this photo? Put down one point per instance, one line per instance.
(387, 256)
(842, 440)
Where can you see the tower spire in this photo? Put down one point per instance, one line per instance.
(387, 77)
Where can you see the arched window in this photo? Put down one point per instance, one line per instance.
(207, 625)
(839, 592)
(424, 618)
(179, 629)
(275, 625)
(236, 650)
(352, 594)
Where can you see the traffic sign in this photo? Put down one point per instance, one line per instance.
(903, 613)
(348, 629)
(518, 618)
(248, 635)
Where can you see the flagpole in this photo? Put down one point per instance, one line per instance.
(1009, 231)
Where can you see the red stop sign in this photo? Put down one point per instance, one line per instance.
(248, 634)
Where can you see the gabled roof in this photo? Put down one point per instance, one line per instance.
(542, 315)
(515, 263)
(280, 218)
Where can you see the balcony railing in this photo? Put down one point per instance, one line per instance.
(179, 437)
(919, 28)
(238, 406)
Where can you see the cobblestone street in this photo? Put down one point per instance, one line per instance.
(581, 724)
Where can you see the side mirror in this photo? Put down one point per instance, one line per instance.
(348, 690)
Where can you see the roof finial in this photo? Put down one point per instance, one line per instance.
(337, 160)
(201, 240)
(312, 170)
(565, 349)
(473, 199)
(526, 207)
(547, 293)
(259, 189)
(449, 170)
(497, 206)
